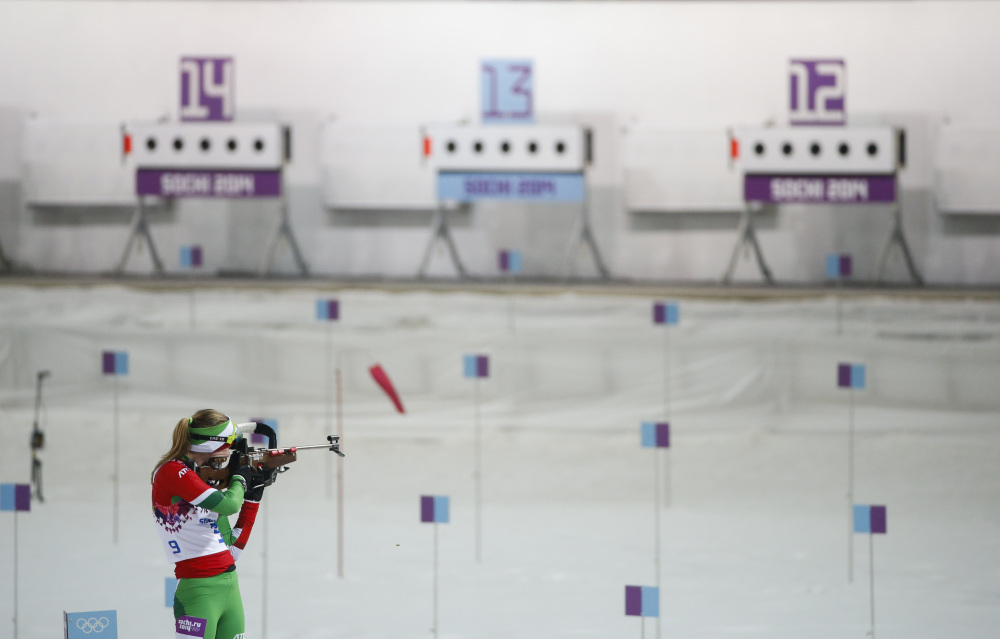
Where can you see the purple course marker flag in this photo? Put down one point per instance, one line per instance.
(851, 376)
(642, 601)
(114, 363)
(434, 509)
(476, 366)
(15, 497)
(666, 313)
(328, 310)
(655, 435)
(838, 266)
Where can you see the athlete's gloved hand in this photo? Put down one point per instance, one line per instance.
(247, 476)
(262, 478)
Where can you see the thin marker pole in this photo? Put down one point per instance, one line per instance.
(840, 286)
(15, 573)
(850, 489)
(263, 607)
(479, 480)
(191, 304)
(329, 405)
(871, 566)
(340, 479)
(435, 626)
(667, 398)
(656, 509)
(116, 473)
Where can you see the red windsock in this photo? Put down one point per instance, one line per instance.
(383, 380)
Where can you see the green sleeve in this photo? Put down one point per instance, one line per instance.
(226, 530)
(225, 503)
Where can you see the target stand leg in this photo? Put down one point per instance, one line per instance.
(585, 236)
(283, 230)
(747, 240)
(896, 238)
(5, 261)
(440, 231)
(140, 231)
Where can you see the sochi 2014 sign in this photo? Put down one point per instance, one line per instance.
(817, 92)
(816, 189)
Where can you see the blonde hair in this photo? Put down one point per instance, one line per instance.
(181, 440)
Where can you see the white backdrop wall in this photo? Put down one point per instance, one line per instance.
(609, 65)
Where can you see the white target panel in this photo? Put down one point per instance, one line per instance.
(529, 148)
(221, 145)
(820, 150)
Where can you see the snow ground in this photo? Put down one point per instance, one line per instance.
(754, 541)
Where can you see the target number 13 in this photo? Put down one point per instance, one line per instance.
(507, 91)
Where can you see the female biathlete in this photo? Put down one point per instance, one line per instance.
(200, 542)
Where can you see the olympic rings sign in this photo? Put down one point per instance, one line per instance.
(93, 624)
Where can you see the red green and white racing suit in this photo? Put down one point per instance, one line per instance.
(192, 519)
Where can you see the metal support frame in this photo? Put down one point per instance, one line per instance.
(283, 230)
(896, 238)
(5, 261)
(747, 240)
(441, 231)
(140, 231)
(585, 236)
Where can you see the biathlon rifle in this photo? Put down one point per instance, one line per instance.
(269, 462)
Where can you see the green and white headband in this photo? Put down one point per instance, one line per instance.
(212, 438)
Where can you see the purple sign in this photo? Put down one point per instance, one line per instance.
(817, 92)
(820, 189)
(208, 183)
(190, 626)
(207, 89)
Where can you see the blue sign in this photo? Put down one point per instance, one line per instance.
(507, 92)
(99, 624)
(536, 187)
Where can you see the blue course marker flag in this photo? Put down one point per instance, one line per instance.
(655, 435)
(851, 376)
(870, 519)
(666, 313)
(642, 601)
(15, 497)
(191, 256)
(169, 587)
(101, 624)
(476, 366)
(434, 509)
(510, 261)
(114, 363)
(327, 310)
(838, 265)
